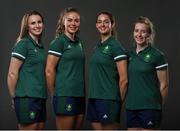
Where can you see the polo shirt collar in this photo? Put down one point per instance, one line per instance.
(69, 40)
(145, 50)
(34, 42)
(106, 41)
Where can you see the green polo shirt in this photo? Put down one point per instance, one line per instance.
(143, 88)
(104, 78)
(31, 81)
(70, 71)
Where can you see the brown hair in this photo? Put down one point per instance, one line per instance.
(112, 19)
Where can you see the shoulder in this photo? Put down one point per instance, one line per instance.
(156, 52)
(57, 42)
(22, 43)
(116, 45)
(114, 41)
(158, 57)
(59, 39)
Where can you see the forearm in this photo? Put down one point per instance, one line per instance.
(123, 88)
(163, 78)
(13, 75)
(50, 77)
(164, 93)
(123, 77)
(11, 81)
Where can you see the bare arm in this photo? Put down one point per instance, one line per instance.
(13, 74)
(51, 72)
(163, 78)
(123, 81)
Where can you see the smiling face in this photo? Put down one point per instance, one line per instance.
(141, 34)
(35, 26)
(71, 23)
(104, 24)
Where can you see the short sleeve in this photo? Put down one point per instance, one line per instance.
(161, 62)
(56, 47)
(20, 50)
(118, 52)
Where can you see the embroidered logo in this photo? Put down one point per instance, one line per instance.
(32, 114)
(150, 123)
(69, 107)
(105, 116)
(105, 49)
(147, 57)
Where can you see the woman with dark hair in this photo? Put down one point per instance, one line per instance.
(108, 76)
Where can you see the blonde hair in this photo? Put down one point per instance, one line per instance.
(60, 24)
(147, 21)
(24, 24)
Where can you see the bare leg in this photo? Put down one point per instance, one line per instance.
(132, 129)
(149, 129)
(79, 121)
(41, 126)
(142, 129)
(96, 126)
(111, 126)
(64, 122)
(28, 126)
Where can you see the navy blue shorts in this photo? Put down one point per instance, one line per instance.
(147, 119)
(67, 105)
(103, 111)
(30, 110)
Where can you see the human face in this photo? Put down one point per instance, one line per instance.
(35, 26)
(141, 34)
(104, 24)
(71, 23)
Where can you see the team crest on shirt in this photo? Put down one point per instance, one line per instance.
(147, 57)
(32, 114)
(69, 107)
(106, 49)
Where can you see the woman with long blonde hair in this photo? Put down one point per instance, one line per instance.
(26, 76)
